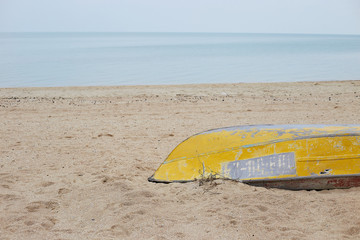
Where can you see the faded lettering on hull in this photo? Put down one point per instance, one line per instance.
(261, 167)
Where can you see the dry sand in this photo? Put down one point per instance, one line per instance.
(74, 163)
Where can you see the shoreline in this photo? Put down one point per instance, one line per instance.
(112, 91)
(180, 85)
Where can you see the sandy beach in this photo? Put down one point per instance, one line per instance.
(74, 163)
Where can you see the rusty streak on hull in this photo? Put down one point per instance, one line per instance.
(310, 183)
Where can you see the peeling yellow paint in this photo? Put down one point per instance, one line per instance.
(317, 149)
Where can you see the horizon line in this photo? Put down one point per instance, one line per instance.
(178, 32)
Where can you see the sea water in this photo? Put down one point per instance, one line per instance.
(93, 59)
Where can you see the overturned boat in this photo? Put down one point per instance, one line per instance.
(282, 156)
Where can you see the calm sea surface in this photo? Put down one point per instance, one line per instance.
(88, 59)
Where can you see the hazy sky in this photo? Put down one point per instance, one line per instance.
(252, 16)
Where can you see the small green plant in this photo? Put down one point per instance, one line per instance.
(209, 179)
(208, 182)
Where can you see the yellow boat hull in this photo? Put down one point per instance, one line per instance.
(283, 156)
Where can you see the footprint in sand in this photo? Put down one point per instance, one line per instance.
(119, 230)
(9, 197)
(140, 194)
(47, 184)
(63, 191)
(262, 208)
(39, 205)
(353, 231)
